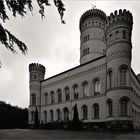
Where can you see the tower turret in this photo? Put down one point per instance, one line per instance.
(118, 36)
(118, 56)
(92, 28)
(37, 72)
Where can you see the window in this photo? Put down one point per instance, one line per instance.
(75, 90)
(59, 95)
(84, 112)
(87, 37)
(33, 99)
(66, 114)
(110, 73)
(32, 116)
(124, 34)
(35, 77)
(124, 106)
(133, 114)
(85, 89)
(110, 107)
(85, 51)
(96, 110)
(117, 34)
(46, 98)
(85, 26)
(51, 115)
(92, 23)
(45, 116)
(67, 94)
(52, 97)
(110, 39)
(97, 87)
(58, 112)
(123, 71)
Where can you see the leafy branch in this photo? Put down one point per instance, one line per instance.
(22, 7)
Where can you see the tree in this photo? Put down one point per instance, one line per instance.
(22, 7)
(36, 123)
(12, 116)
(75, 115)
(76, 124)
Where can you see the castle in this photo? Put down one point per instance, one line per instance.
(104, 86)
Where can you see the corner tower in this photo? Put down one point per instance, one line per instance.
(118, 57)
(92, 29)
(37, 72)
(118, 36)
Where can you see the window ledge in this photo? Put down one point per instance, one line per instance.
(96, 118)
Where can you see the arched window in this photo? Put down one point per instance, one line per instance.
(33, 99)
(67, 94)
(52, 97)
(124, 34)
(45, 98)
(99, 24)
(75, 91)
(32, 116)
(117, 34)
(66, 114)
(123, 71)
(110, 38)
(84, 112)
(110, 107)
(85, 89)
(97, 87)
(96, 111)
(133, 114)
(59, 95)
(58, 115)
(45, 116)
(51, 115)
(110, 73)
(124, 106)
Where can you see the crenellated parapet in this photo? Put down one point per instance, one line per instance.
(92, 13)
(121, 17)
(37, 72)
(37, 67)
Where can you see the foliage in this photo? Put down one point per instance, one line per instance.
(76, 123)
(36, 123)
(75, 115)
(12, 116)
(21, 7)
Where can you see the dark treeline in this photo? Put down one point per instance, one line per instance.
(12, 116)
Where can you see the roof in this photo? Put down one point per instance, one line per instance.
(74, 68)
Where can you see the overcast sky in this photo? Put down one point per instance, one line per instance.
(53, 44)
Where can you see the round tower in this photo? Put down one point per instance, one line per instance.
(92, 29)
(36, 72)
(118, 56)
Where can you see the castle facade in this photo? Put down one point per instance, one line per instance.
(104, 86)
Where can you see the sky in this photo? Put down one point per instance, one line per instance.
(53, 44)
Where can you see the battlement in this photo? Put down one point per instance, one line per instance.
(36, 67)
(120, 16)
(92, 13)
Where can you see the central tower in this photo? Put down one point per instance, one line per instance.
(92, 29)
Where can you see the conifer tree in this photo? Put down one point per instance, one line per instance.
(36, 123)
